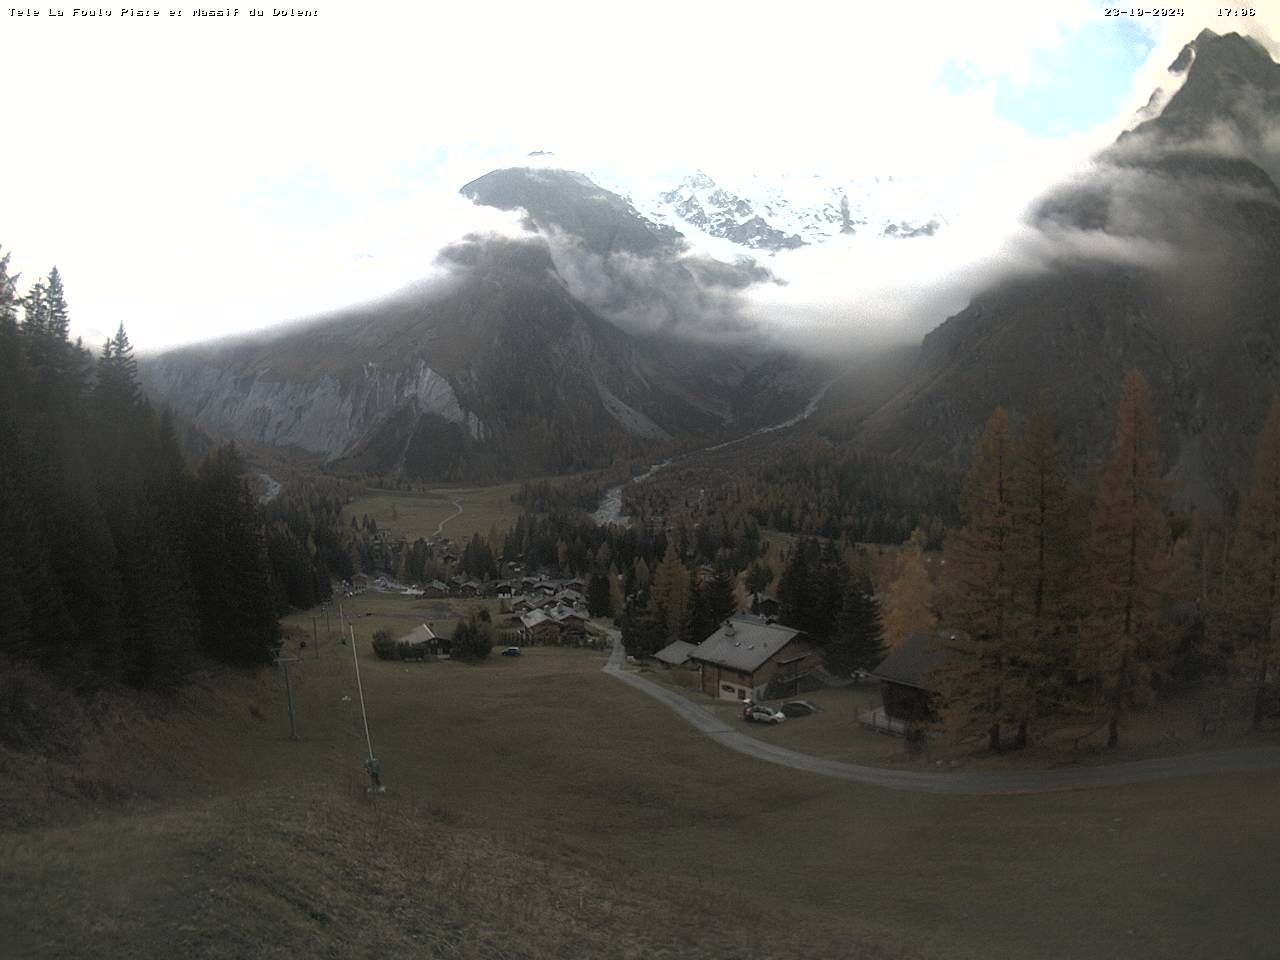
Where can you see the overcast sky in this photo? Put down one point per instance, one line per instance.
(194, 177)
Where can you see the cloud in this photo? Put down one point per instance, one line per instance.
(197, 178)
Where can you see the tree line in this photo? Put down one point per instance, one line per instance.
(1089, 600)
(118, 561)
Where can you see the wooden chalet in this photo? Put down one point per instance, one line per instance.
(740, 659)
(906, 675)
(537, 627)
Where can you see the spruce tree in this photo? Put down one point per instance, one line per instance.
(858, 641)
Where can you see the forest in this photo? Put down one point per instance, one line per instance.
(119, 561)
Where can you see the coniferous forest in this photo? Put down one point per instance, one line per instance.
(119, 561)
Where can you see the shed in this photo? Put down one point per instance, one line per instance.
(906, 679)
(674, 654)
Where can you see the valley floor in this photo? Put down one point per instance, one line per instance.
(538, 807)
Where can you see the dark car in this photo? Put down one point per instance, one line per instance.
(511, 652)
(799, 708)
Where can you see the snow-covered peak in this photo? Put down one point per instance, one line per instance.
(791, 210)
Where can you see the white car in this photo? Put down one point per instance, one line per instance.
(759, 713)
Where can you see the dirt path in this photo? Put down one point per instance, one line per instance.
(1028, 781)
(440, 525)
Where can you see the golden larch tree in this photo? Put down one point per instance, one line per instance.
(1251, 611)
(981, 680)
(1123, 645)
(908, 606)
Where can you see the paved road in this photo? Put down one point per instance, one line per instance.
(1028, 781)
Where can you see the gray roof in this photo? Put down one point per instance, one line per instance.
(533, 618)
(743, 643)
(674, 653)
(911, 661)
(419, 634)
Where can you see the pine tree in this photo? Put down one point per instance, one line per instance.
(57, 316)
(1251, 612)
(598, 595)
(908, 606)
(231, 574)
(717, 595)
(858, 642)
(1122, 637)
(981, 682)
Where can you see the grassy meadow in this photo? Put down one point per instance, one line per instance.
(537, 807)
(418, 514)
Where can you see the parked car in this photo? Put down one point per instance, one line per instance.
(799, 708)
(759, 713)
(511, 652)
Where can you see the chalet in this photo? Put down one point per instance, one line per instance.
(675, 654)
(537, 627)
(907, 687)
(421, 641)
(569, 598)
(574, 584)
(765, 605)
(471, 588)
(740, 659)
(455, 584)
(436, 588)
(572, 622)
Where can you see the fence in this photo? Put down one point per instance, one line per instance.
(881, 722)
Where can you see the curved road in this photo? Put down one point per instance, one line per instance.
(1028, 781)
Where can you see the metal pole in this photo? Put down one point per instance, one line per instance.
(288, 689)
(360, 688)
(315, 637)
(328, 633)
(342, 625)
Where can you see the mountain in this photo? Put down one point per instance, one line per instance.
(596, 335)
(789, 211)
(1163, 257)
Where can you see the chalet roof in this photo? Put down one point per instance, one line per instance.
(911, 661)
(533, 618)
(743, 643)
(419, 634)
(675, 653)
(561, 613)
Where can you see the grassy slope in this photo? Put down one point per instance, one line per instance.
(518, 782)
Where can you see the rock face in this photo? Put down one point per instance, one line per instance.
(1165, 260)
(505, 369)
(320, 416)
